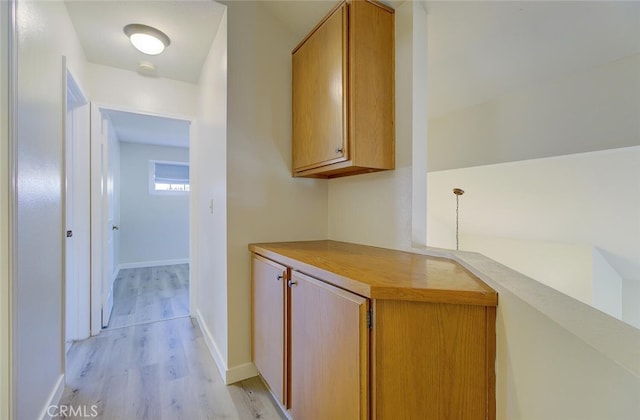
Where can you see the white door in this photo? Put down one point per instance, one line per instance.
(111, 225)
(104, 152)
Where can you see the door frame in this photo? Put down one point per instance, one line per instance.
(99, 219)
(8, 211)
(76, 130)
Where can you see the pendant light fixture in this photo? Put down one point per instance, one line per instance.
(147, 39)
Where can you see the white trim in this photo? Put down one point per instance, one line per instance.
(8, 154)
(241, 372)
(54, 398)
(193, 233)
(96, 220)
(143, 264)
(75, 95)
(63, 209)
(211, 345)
(106, 107)
(236, 373)
(107, 309)
(76, 126)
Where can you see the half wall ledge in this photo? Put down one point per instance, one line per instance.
(615, 339)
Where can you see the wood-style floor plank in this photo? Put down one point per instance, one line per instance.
(153, 363)
(160, 370)
(150, 294)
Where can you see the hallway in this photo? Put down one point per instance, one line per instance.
(150, 294)
(152, 361)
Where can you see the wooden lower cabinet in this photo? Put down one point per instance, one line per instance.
(328, 353)
(433, 361)
(269, 315)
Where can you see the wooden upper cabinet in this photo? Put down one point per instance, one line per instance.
(343, 93)
(319, 116)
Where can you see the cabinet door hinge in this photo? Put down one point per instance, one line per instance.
(370, 319)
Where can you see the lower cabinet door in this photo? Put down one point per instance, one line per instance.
(268, 322)
(329, 351)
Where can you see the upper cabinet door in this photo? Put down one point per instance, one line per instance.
(319, 97)
(344, 93)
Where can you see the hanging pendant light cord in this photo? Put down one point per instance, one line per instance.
(458, 192)
(457, 222)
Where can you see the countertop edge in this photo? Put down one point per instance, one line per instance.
(480, 298)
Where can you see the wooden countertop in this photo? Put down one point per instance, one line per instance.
(379, 273)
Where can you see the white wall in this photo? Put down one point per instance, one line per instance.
(264, 203)
(585, 200)
(575, 201)
(630, 305)
(377, 209)
(608, 288)
(208, 157)
(545, 372)
(153, 227)
(565, 267)
(557, 358)
(596, 109)
(130, 91)
(5, 24)
(45, 34)
(579, 271)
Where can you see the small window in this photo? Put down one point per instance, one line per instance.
(168, 177)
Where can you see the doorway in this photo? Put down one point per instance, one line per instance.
(144, 226)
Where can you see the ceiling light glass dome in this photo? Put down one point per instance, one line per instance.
(147, 39)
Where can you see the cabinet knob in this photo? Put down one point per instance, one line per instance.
(339, 149)
(280, 277)
(292, 283)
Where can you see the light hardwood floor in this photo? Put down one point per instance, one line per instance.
(150, 294)
(156, 370)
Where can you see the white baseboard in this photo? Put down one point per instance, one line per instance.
(211, 345)
(241, 372)
(144, 264)
(236, 373)
(54, 399)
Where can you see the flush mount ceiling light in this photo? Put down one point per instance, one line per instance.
(147, 39)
